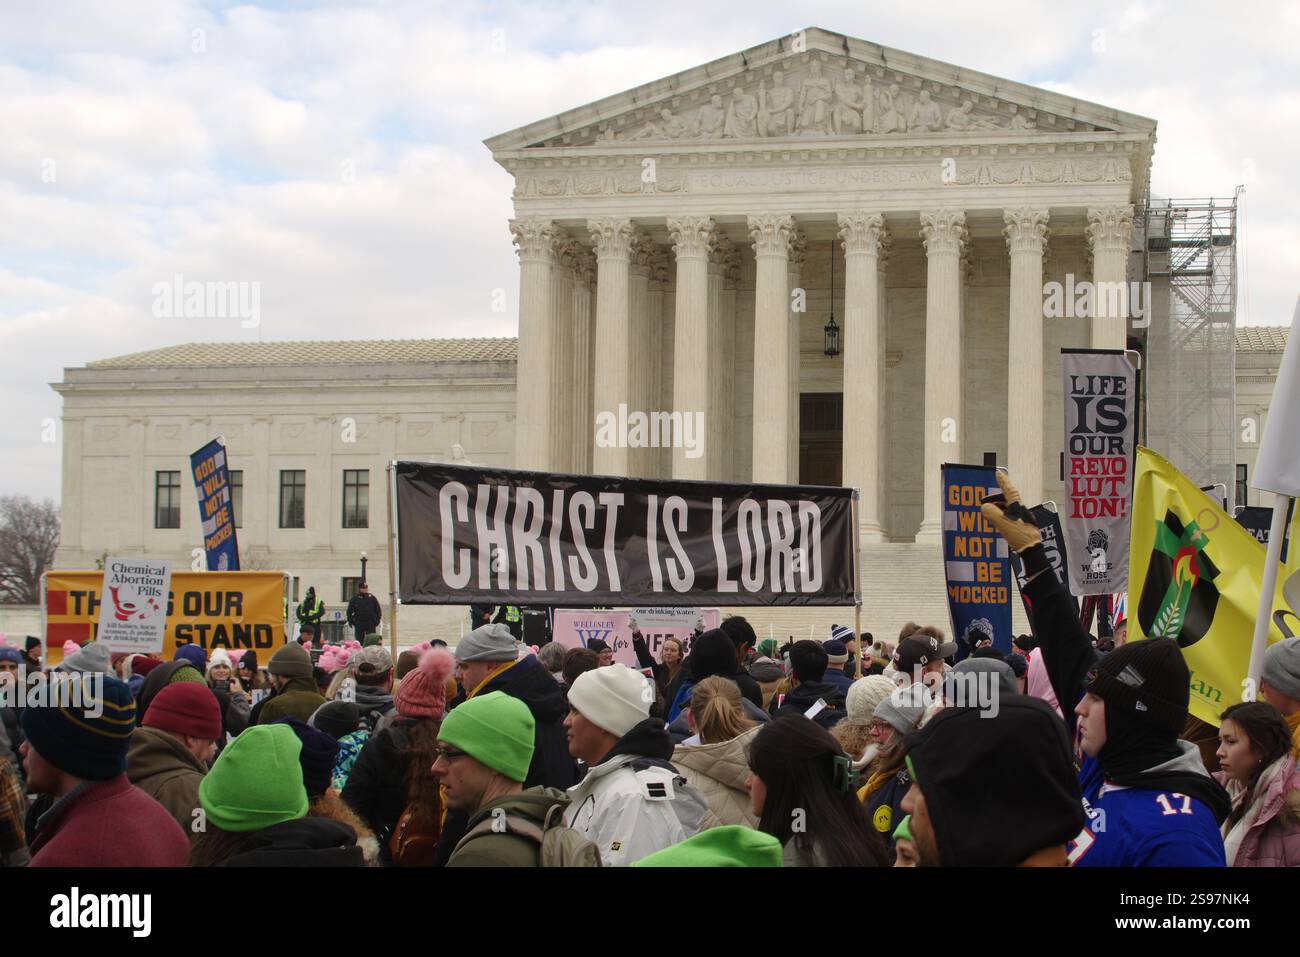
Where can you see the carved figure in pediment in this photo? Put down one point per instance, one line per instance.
(963, 119)
(815, 96)
(925, 115)
(889, 119)
(742, 115)
(846, 117)
(711, 119)
(1022, 122)
(776, 108)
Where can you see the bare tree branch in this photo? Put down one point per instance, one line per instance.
(29, 534)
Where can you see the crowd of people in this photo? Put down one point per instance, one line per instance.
(723, 751)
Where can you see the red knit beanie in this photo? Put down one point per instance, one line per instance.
(142, 664)
(185, 708)
(423, 692)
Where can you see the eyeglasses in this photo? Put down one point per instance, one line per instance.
(446, 754)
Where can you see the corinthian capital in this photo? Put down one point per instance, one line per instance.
(533, 238)
(771, 234)
(1026, 229)
(943, 230)
(1109, 227)
(612, 238)
(693, 237)
(861, 231)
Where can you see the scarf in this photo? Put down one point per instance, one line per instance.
(1233, 836)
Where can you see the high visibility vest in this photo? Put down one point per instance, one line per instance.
(513, 613)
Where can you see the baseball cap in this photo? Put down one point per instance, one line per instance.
(917, 651)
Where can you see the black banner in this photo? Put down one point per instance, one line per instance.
(1259, 521)
(1049, 525)
(537, 538)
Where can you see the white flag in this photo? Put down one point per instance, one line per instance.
(1278, 466)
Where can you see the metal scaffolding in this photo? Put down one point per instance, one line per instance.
(1188, 250)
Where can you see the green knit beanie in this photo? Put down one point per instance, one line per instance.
(187, 673)
(374, 638)
(494, 729)
(256, 781)
(728, 846)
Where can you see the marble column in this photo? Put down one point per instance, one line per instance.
(1108, 231)
(582, 280)
(726, 392)
(563, 341)
(943, 232)
(884, 248)
(654, 350)
(771, 234)
(798, 253)
(641, 458)
(534, 239)
(720, 363)
(1026, 231)
(693, 239)
(864, 365)
(612, 239)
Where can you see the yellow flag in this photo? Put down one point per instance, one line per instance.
(1195, 575)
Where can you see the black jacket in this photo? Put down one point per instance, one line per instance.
(803, 697)
(364, 613)
(376, 788)
(532, 684)
(306, 842)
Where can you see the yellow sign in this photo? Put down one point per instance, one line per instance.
(232, 610)
(1195, 575)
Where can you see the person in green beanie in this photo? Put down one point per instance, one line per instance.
(484, 749)
(732, 845)
(254, 807)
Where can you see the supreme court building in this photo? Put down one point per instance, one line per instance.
(677, 241)
(676, 246)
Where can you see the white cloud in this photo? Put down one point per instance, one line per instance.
(220, 154)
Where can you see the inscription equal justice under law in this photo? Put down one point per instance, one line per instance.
(811, 179)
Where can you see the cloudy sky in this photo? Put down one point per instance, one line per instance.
(332, 152)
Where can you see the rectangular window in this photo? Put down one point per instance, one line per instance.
(167, 500)
(237, 496)
(1242, 488)
(356, 498)
(349, 589)
(293, 498)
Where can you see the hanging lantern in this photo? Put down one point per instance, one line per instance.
(831, 331)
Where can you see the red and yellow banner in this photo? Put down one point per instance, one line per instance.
(232, 610)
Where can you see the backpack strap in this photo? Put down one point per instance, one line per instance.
(514, 825)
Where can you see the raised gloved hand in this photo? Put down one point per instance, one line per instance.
(1012, 520)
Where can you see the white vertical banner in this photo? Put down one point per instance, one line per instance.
(1100, 442)
(133, 609)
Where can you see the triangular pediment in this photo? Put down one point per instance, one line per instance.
(816, 85)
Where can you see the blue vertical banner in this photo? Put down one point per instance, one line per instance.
(216, 511)
(976, 565)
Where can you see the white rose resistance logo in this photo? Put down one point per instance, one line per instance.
(1179, 596)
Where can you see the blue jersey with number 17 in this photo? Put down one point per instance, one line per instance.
(1138, 827)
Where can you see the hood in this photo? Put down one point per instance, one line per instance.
(373, 699)
(155, 681)
(532, 684)
(152, 752)
(1184, 773)
(806, 695)
(649, 739)
(765, 671)
(726, 762)
(306, 842)
(531, 804)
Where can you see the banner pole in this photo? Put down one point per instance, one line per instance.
(1273, 559)
(857, 586)
(392, 569)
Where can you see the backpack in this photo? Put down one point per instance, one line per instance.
(561, 846)
(414, 842)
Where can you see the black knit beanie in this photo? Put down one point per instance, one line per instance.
(1146, 680)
